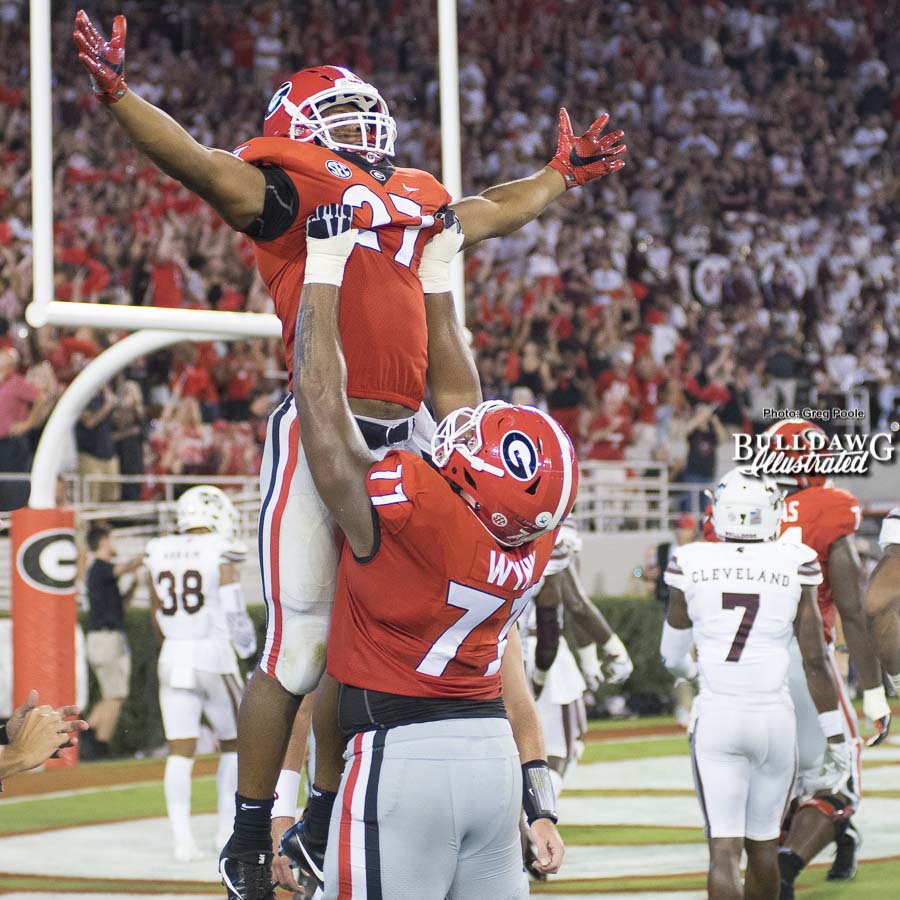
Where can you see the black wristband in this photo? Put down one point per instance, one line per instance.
(538, 796)
(4, 737)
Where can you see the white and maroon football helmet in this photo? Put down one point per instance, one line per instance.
(514, 465)
(299, 110)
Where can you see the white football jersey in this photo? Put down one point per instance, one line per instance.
(890, 529)
(185, 573)
(742, 599)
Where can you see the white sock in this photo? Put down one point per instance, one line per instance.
(177, 784)
(226, 785)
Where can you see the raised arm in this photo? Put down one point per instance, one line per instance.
(234, 188)
(579, 159)
(335, 450)
(452, 376)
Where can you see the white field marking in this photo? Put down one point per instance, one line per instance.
(142, 846)
(98, 789)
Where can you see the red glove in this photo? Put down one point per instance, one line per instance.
(104, 60)
(586, 157)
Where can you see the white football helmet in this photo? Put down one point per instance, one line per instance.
(747, 507)
(205, 506)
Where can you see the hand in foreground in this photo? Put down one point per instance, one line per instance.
(586, 157)
(104, 60)
(549, 846)
(37, 740)
(281, 865)
(72, 727)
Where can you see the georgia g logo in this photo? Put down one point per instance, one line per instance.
(519, 456)
(46, 561)
(277, 98)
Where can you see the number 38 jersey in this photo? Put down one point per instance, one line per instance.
(427, 615)
(184, 569)
(742, 600)
(382, 316)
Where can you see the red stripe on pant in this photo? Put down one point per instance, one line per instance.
(345, 871)
(275, 538)
(850, 719)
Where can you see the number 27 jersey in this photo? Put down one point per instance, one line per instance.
(428, 615)
(382, 315)
(742, 600)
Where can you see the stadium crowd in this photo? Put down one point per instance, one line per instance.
(747, 257)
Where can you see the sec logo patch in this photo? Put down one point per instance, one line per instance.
(519, 456)
(338, 169)
(46, 561)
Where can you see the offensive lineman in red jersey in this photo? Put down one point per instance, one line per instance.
(826, 518)
(327, 137)
(434, 573)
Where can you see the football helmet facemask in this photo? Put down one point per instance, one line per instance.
(797, 439)
(299, 110)
(746, 507)
(514, 465)
(205, 506)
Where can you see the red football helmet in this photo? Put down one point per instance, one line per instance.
(298, 110)
(514, 465)
(797, 439)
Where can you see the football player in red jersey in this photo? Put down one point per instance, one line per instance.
(825, 518)
(883, 599)
(328, 137)
(435, 570)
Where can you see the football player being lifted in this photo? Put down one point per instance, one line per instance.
(742, 600)
(200, 616)
(436, 568)
(883, 599)
(329, 137)
(826, 518)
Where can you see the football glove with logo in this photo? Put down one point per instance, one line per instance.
(330, 238)
(104, 60)
(434, 267)
(837, 767)
(582, 158)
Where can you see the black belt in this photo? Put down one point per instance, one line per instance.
(377, 435)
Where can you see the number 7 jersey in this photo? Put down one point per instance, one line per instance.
(742, 599)
(429, 613)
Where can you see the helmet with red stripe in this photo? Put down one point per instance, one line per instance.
(299, 110)
(797, 439)
(514, 465)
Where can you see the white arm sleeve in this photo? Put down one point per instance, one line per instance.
(890, 529)
(675, 649)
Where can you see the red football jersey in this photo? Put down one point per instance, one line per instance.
(428, 616)
(823, 515)
(382, 317)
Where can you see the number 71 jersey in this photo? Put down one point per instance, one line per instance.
(429, 613)
(742, 599)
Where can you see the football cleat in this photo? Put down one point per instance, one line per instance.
(247, 876)
(844, 866)
(307, 857)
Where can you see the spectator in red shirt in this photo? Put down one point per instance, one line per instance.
(23, 406)
(609, 432)
(621, 375)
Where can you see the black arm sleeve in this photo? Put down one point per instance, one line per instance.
(279, 209)
(547, 637)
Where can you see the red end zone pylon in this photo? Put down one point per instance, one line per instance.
(43, 561)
